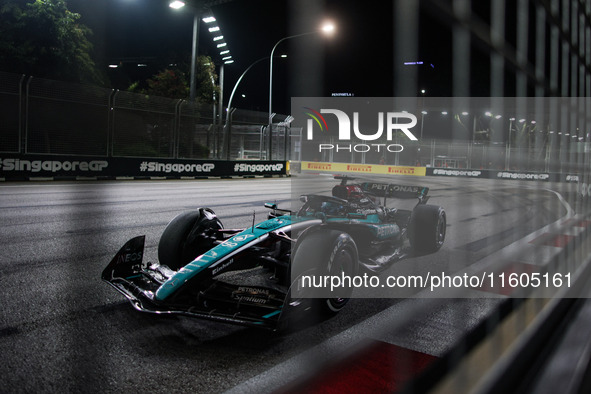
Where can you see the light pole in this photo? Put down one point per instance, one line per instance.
(423, 113)
(195, 44)
(229, 107)
(240, 80)
(219, 39)
(327, 28)
(176, 5)
(490, 123)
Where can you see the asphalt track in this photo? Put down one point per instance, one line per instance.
(63, 330)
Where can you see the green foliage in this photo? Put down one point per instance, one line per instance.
(206, 80)
(43, 38)
(168, 83)
(135, 87)
(175, 83)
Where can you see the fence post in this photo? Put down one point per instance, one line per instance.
(26, 135)
(228, 132)
(287, 135)
(111, 123)
(20, 115)
(176, 130)
(261, 145)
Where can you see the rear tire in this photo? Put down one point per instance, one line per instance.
(187, 236)
(427, 228)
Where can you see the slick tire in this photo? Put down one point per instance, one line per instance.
(327, 252)
(427, 228)
(187, 236)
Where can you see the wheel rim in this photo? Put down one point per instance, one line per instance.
(342, 264)
(336, 304)
(346, 261)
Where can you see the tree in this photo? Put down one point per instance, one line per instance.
(175, 83)
(207, 90)
(43, 38)
(168, 83)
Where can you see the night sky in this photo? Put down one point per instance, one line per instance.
(357, 59)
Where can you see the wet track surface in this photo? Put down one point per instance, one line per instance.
(63, 329)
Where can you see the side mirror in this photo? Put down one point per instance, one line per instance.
(270, 205)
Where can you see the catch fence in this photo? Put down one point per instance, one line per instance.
(42, 116)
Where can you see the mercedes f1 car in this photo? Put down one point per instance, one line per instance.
(251, 276)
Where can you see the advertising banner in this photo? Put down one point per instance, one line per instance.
(34, 166)
(362, 168)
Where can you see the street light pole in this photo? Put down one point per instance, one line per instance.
(508, 154)
(194, 47)
(423, 113)
(270, 127)
(327, 28)
(237, 83)
(197, 14)
(229, 107)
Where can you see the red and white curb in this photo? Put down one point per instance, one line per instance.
(376, 367)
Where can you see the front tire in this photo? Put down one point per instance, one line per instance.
(187, 236)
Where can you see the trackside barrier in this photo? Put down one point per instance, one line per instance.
(25, 167)
(503, 175)
(313, 166)
(318, 167)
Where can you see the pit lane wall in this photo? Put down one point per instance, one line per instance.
(321, 167)
(32, 167)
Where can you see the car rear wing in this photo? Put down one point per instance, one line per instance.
(395, 191)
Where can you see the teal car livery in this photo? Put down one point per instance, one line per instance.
(250, 276)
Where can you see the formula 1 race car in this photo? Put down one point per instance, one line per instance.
(251, 276)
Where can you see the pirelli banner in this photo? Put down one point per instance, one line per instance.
(331, 168)
(320, 167)
(18, 167)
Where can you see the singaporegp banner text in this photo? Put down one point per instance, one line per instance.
(34, 166)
